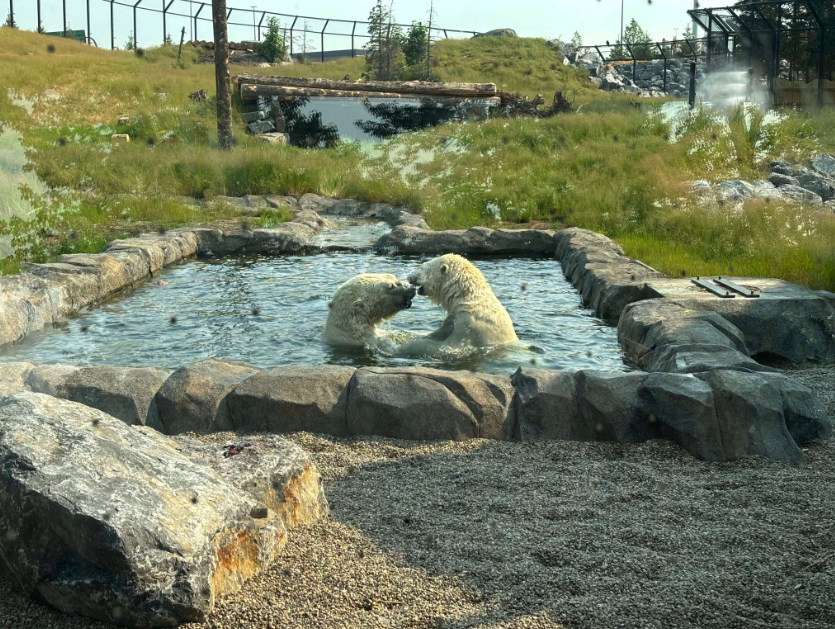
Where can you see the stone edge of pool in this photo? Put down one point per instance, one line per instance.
(698, 386)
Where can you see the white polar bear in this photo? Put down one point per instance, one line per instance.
(476, 318)
(361, 304)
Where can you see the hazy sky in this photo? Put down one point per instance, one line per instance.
(595, 20)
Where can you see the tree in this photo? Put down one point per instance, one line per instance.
(224, 92)
(638, 40)
(273, 47)
(416, 51)
(168, 41)
(130, 44)
(10, 23)
(384, 60)
(577, 40)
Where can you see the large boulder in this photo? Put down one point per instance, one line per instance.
(752, 410)
(193, 398)
(683, 408)
(481, 241)
(609, 403)
(824, 165)
(796, 194)
(111, 522)
(274, 471)
(546, 407)
(122, 392)
(824, 187)
(779, 179)
(291, 399)
(430, 404)
(733, 190)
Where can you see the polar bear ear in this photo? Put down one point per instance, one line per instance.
(444, 269)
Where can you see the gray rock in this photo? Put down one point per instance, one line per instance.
(49, 379)
(796, 194)
(275, 138)
(407, 240)
(647, 326)
(282, 201)
(498, 32)
(701, 187)
(765, 190)
(193, 398)
(546, 407)
(829, 205)
(781, 167)
(261, 126)
(272, 470)
(13, 377)
(430, 404)
(822, 186)
(733, 190)
(779, 179)
(125, 393)
(824, 164)
(315, 202)
(111, 522)
(684, 358)
(606, 278)
(287, 238)
(684, 410)
(749, 408)
(291, 399)
(609, 403)
(254, 116)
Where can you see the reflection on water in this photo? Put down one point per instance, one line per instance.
(14, 182)
(270, 311)
(321, 121)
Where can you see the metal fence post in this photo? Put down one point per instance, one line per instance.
(89, 35)
(11, 10)
(112, 32)
(39, 15)
(664, 55)
(261, 21)
(323, 39)
(353, 50)
(292, 26)
(135, 33)
(634, 61)
(709, 53)
(202, 4)
(64, 3)
(692, 95)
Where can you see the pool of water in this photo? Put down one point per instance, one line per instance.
(270, 311)
(315, 122)
(350, 233)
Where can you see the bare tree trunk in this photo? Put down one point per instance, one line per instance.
(224, 92)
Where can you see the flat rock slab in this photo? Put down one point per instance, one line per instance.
(292, 399)
(113, 523)
(476, 241)
(13, 377)
(193, 398)
(430, 404)
(787, 321)
(274, 471)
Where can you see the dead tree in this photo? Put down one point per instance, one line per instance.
(223, 89)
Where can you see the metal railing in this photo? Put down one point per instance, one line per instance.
(330, 27)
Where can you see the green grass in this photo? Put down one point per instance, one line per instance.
(608, 167)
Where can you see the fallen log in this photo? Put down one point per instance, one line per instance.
(253, 92)
(400, 87)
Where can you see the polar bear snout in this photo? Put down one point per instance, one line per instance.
(408, 296)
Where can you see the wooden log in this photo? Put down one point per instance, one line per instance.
(253, 92)
(400, 87)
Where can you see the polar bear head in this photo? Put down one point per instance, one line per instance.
(362, 303)
(449, 281)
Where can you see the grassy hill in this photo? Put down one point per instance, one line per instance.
(610, 167)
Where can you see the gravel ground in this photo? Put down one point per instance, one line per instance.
(561, 534)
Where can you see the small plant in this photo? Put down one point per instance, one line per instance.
(273, 46)
(10, 23)
(168, 41)
(130, 44)
(577, 40)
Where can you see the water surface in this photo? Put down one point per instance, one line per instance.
(270, 311)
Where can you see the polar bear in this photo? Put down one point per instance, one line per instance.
(361, 304)
(476, 318)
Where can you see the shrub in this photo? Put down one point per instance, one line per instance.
(273, 46)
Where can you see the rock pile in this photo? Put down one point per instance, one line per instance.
(266, 120)
(618, 77)
(794, 183)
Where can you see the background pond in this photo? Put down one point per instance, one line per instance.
(270, 311)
